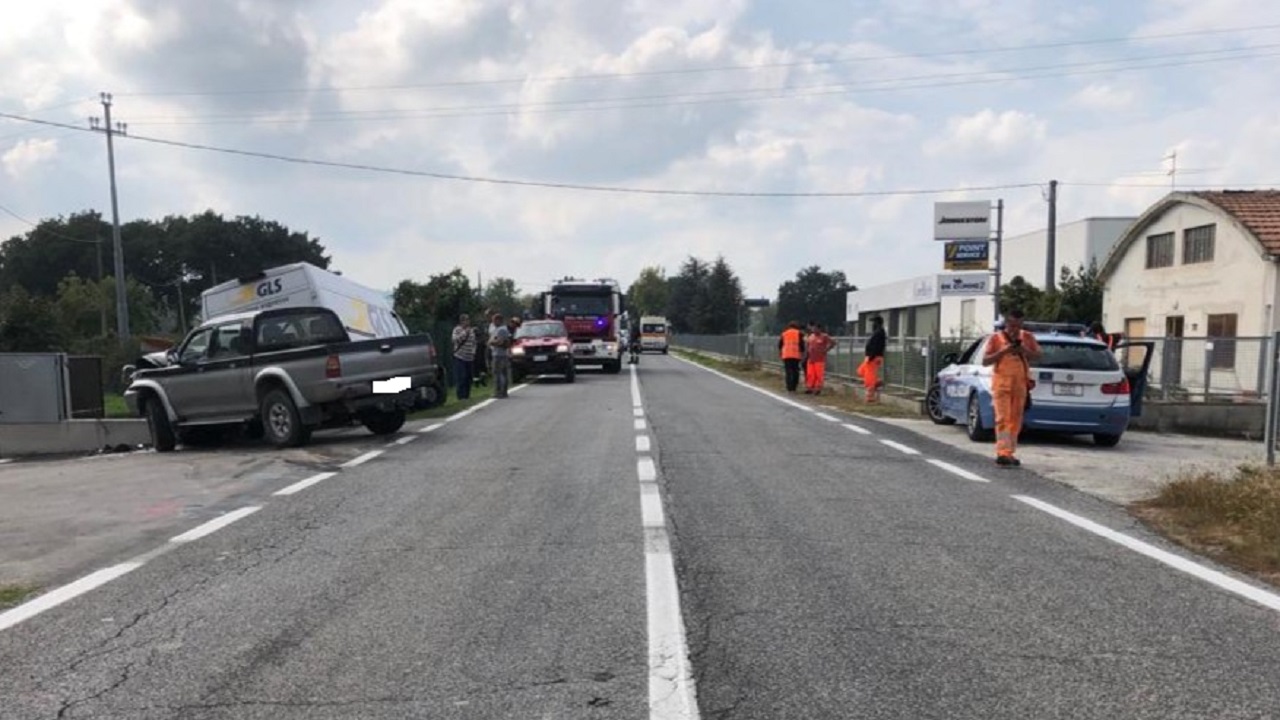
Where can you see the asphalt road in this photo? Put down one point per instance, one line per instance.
(507, 565)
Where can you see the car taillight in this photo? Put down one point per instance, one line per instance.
(1120, 388)
(333, 367)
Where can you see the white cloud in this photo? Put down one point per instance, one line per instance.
(1101, 96)
(990, 134)
(26, 155)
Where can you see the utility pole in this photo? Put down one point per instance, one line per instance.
(102, 306)
(1173, 169)
(1052, 249)
(995, 292)
(122, 298)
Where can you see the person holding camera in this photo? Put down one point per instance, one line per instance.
(1011, 351)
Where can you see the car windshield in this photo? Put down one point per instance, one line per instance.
(581, 305)
(1075, 356)
(540, 330)
(653, 328)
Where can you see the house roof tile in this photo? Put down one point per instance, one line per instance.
(1257, 210)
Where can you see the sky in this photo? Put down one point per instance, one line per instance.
(867, 101)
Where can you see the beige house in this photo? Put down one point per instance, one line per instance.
(1198, 270)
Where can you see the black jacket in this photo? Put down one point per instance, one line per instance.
(876, 344)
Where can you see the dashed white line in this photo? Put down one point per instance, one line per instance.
(361, 459)
(641, 424)
(638, 412)
(56, 597)
(646, 470)
(857, 428)
(304, 484)
(5, 461)
(958, 471)
(432, 428)
(651, 514)
(642, 443)
(1262, 597)
(827, 417)
(405, 440)
(215, 524)
(513, 390)
(900, 447)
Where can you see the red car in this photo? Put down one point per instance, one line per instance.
(541, 348)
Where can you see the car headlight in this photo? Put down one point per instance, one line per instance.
(562, 348)
(517, 351)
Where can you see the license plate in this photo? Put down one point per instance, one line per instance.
(1068, 389)
(539, 358)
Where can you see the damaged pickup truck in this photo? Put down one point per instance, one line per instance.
(283, 374)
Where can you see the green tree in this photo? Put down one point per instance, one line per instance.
(79, 307)
(1018, 293)
(438, 302)
(1081, 294)
(687, 301)
(28, 322)
(502, 295)
(723, 314)
(815, 295)
(649, 294)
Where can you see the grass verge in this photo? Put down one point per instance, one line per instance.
(11, 595)
(114, 407)
(1234, 519)
(452, 404)
(838, 396)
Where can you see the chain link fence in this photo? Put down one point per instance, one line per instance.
(1181, 370)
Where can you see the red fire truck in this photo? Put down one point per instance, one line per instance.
(590, 310)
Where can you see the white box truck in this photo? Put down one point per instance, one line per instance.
(365, 312)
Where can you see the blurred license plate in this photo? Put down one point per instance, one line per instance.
(539, 358)
(1070, 389)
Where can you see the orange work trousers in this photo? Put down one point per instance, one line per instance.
(1010, 401)
(870, 371)
(815, 374)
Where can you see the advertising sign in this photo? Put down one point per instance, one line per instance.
(967, 255)
(962, 220)
(958, 284)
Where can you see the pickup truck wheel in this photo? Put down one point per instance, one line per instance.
(163, 438)
(384, 423)
(282, 422)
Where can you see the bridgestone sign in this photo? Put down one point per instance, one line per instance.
(954, 284)
(962, 220)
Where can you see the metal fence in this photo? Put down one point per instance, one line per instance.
(1181, 370)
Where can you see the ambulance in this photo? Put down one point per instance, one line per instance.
(366, 313)
(653, 333)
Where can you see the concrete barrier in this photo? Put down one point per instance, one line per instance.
(1234, 420)
(70, 437)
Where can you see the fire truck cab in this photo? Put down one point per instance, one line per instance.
(591, 312)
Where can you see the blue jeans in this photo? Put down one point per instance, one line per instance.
(501, 376)
(462, 372)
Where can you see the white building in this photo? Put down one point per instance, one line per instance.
(1200, 265)
(921, 311)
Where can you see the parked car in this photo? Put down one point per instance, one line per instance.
(542, 348)
(282, 373)
(1080, 388)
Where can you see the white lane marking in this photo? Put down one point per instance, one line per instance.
(405, 440)
(486, 403)
(671, 686)
(215, 524)
(857, 428)
(361, 459)
(647, 471)
(635, 388)
(517, 388)
(432, 428)
(651, 514)
(642, 443)
(304, 484)
(900, 447)
(827, 417)
(459, 415)
(638, 412)
(1262, 597)
(54, 598)
(749, 386)
(958, 471)
(641, 425)
(5, 461)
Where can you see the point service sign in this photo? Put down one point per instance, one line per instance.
(967, 255)
(962, 220)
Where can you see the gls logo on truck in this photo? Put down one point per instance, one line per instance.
(270, 287)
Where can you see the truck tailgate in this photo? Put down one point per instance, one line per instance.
(366, 361)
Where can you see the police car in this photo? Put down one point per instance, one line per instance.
(1081, 386)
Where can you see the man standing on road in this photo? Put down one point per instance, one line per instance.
(464, 355)
(1011, 351)
(500, 342)
(874, 359)
(633, 340)
(791, 350)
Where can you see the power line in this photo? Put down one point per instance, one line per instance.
(733, 96)
(719, 68)
(45, 231)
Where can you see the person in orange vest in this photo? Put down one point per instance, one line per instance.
(817, 346)
(873, 359)
(791, 350)
(1011, 351)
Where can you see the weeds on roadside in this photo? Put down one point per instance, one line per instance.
(11, 595)
(1234, 518)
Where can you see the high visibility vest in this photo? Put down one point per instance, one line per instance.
(791, 344)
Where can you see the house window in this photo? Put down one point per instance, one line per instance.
(912, 317)
(1197, 244)
(1160, 250)
(894, 320)
(1222, 333)
(968, 316)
